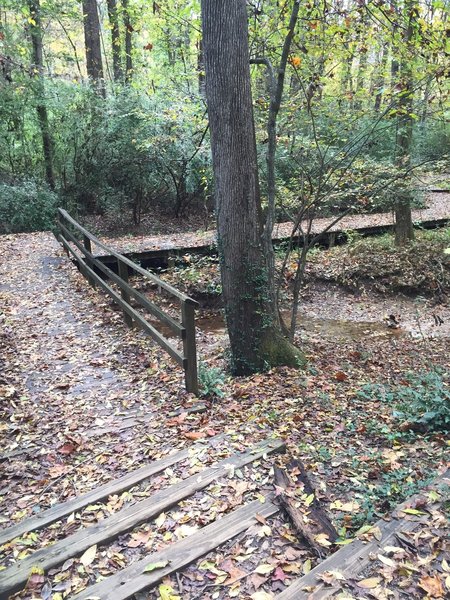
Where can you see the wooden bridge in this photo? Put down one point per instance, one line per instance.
(78, 242)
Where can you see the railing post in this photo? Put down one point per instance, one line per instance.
(123, 274)
(189, 346)
(88, 247)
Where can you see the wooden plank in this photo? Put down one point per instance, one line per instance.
(132, 579)
(126, 260)
(139, 319)
(116, 486)
(15, 577)
(189, 348)
(353, 558)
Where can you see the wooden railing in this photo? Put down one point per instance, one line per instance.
(73, 234)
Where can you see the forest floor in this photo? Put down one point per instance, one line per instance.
(71, 372)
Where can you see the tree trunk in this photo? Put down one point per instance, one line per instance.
(38, 72)
(380, 79)
(128, 42)
(115, 39)
(92, 44)
(256, 341)
(404, 230)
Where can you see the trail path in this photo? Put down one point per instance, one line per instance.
(437, 208)
(70, 368)
(73, 378)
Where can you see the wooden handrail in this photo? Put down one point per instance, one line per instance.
(126, 260)
(88, 263)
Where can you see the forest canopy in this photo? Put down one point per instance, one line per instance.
(102, 106)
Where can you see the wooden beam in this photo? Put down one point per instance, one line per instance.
(15, 577)
(132, 579)
(176, 327)
(355, 557)
(117, 486)
(139, 319)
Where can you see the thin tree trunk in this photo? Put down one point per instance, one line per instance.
(276, 84)
(92, 42)
(38, 72)
(404, 230)
(380, 79)
(128, 42)
(115, 39)
(256, 341)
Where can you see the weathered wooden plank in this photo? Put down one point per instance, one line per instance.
(116, 486)
(132, 579)
(189, 348)
(353, 558)
(15, 577)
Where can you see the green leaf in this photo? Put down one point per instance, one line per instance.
(156, 565)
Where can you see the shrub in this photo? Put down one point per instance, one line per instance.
(420, 400)
(26, 206)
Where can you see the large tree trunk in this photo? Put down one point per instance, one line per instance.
(115, 39)
(38, 72)
(256, 341)
(94, 65)
(404, 230)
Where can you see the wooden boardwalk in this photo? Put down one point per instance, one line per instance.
(157, 250)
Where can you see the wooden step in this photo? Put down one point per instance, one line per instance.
(116, 486)
(132, 579)
(15, 577)
(352, 559)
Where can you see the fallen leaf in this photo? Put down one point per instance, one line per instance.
(89, 556)
(156, 565)
(432, 585)
(369, 583)
(264, 569)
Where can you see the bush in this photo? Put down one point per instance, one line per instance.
(26, 206)
(421, 401)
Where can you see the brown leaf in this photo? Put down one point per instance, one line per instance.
(194, 435)
(341, 376)
(432, 585)
(67, 448)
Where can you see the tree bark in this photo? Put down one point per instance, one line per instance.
(380, 79)
(38, 72)
(256, 341)
(128, 42)
(404, 230)
(92, 42)
(115, 39)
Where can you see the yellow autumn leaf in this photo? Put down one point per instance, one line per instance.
(369, 583)
(166, 592)
(264, 569)
(323, 540)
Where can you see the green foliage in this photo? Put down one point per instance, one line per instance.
(421, 401)
(26, 206)
(393, 487)
(211, 380)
